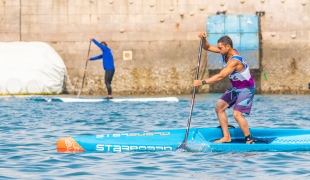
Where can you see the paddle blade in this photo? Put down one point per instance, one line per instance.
(182, 146)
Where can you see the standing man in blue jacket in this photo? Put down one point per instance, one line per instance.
(107, 63)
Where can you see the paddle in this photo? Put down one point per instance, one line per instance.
(183, 145)
(84, 70)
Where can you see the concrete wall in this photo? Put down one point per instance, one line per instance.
(162, 35)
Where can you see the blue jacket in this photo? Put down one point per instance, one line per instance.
(107, 57)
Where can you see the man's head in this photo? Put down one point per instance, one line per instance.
(225, 44)
(104, 43)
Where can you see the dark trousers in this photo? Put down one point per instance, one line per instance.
(108, 77)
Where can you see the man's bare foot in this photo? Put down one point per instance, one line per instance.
(223, 140)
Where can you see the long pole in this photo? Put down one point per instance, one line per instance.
(183, 145)
(84, 70)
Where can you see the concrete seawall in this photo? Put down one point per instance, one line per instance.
(162, 36)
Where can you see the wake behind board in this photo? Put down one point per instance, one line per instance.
(67, 99)
(199, 140)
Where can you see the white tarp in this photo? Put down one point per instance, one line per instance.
(30, 68)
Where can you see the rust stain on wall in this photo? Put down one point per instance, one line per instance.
(293, 66)
(177, 25)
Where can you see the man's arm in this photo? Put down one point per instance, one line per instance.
(206, 45)
(231, 66)
(96, 57)
(102, 47)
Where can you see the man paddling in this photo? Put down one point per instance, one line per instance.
(107, 63)
(240, 94)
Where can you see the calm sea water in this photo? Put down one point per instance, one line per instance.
(29, 131)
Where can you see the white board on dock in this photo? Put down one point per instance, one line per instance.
(158, 99)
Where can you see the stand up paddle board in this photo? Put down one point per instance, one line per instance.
(56, 99)
(199, 139)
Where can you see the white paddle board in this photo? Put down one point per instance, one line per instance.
(67, 99)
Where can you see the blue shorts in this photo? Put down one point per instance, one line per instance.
(241, 98)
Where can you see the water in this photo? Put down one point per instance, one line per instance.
(30, 130)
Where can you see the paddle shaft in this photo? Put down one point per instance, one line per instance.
(84, 70)
(183, 145)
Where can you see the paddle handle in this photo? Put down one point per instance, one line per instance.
(183, 145)
(85, 69)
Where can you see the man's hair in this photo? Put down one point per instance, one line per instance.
(225, 40)
(104, 43)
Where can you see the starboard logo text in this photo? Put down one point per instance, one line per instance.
(122, 148)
